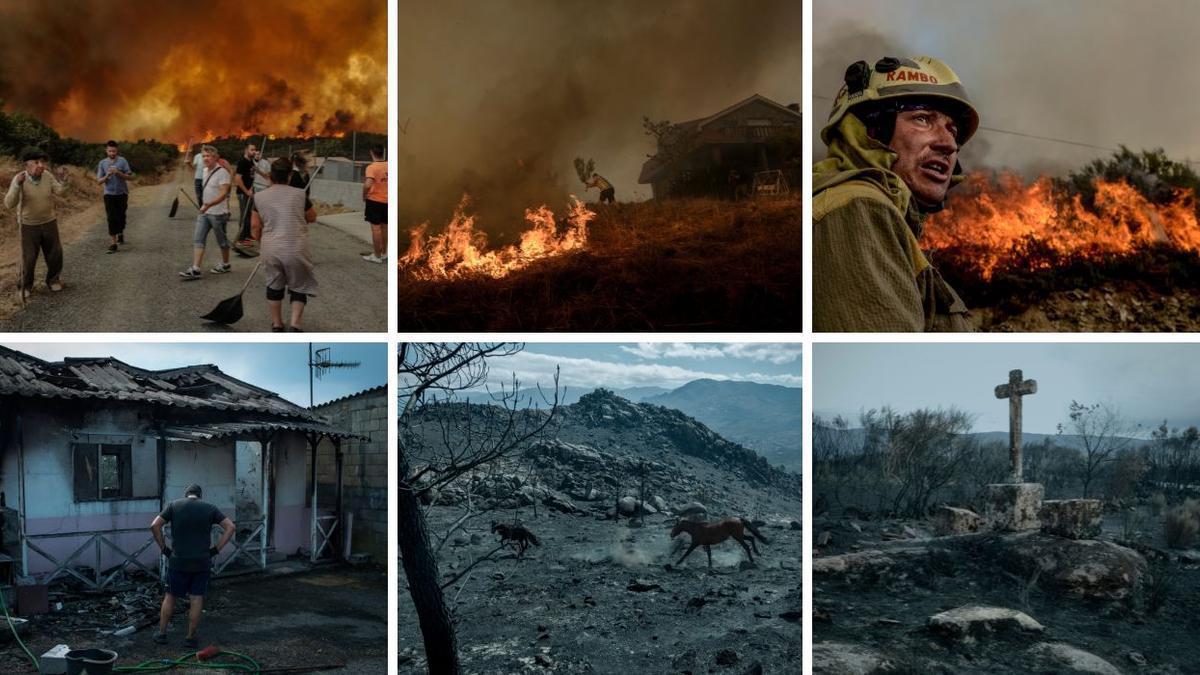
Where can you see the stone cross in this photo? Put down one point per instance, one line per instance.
(1013, 391)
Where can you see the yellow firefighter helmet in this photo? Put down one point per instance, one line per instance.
(891, 79)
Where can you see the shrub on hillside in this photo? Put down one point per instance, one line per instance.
(1182, 524)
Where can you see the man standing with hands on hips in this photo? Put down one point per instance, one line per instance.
(189, 563)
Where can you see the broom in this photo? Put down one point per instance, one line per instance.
(229, 310)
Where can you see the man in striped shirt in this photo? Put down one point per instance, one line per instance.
(607, 192)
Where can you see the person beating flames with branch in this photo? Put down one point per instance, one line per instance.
(893, 136)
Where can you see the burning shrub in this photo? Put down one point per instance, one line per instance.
(1154, 175)
(1182, 524)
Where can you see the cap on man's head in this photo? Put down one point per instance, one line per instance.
(31, 153)
(193, 489)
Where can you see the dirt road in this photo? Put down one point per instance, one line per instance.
(139, 289)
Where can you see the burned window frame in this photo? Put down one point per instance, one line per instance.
(91, 489)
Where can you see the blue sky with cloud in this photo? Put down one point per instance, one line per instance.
(663, 364)
(281, 368)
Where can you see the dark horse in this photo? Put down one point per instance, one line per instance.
(709, 534)
(517, 534)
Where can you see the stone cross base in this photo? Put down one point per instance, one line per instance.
(1072, 518)
(1012, 507)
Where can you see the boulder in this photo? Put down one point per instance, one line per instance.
(660, 504)
(1063, 658)
(692, 510)
(974, 621)
(841, 658)
(849, 563)
(1013, 507)
(950, 520)
(557, 502)
(1072, 518)
(1084, 568)
(627, 506)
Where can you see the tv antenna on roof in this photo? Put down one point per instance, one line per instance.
(319, 363)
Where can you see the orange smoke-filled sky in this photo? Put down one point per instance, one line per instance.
(176, 70)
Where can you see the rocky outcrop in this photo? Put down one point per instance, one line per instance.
(1083, 568)
(971, 622)
(1058, 657)
(841, 658)
(1072, 518)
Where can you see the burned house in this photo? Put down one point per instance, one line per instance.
(91, 449)
(733, 153)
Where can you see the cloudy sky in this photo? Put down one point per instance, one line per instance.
(668, 365)
(281, 368)
(1147, 382)
(1101, 72)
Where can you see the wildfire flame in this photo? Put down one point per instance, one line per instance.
(1002, 216)
(462, 251)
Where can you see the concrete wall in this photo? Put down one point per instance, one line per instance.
(364, 471)
(346, 193)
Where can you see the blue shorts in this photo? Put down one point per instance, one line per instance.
(214, 222)
(180, 584)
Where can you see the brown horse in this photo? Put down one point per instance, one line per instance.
(710, 534)
(517, 534)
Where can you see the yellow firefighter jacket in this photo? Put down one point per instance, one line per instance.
(869, 273)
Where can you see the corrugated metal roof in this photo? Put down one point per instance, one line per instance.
(226, 429)
(196, 387)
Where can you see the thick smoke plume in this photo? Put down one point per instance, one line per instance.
(501, 97)
(178, 70)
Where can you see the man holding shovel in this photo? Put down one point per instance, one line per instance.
(189, 562)
(31, 193)
(214, 214)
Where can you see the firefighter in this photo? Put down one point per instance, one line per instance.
(893, 136)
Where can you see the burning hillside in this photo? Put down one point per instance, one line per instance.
(144, 68)
(683, 265)
(1029, 255)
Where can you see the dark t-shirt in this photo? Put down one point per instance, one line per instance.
(245, 169)
(191, 527)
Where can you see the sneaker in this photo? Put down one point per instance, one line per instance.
(160, 638)
(373, 258)
(112, 248)
(277, 329)
(190, 273)
(294, 329)
(221, 269)
(55, 286)
(191, 642)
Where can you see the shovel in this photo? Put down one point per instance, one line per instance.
(175, 204)
(229, 310)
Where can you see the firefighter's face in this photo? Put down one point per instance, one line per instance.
(927, 149)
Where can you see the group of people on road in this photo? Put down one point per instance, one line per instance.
(274, 210)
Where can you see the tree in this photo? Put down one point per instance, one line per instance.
(449, 439)
(1103, 432)
(927, 450)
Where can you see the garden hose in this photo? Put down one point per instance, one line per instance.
(8, 619)
(246, 664)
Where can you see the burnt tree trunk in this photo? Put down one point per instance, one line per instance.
(420, 568)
